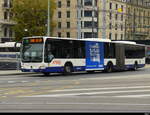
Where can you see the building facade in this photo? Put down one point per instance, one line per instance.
(110, 19)
(138, 20)
(66, 18)
(6, 32)
(76, 19)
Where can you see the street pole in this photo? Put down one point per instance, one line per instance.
(104, 19)
(79, 19)
(93, 24)
(48, 19)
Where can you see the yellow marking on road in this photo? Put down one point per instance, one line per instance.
(18, 91)
(48, 90)
(3, 97)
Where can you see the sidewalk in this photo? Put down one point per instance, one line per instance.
(13, 72)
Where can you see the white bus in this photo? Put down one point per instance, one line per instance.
(9, 55)
(65, 55)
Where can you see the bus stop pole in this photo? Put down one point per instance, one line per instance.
(48, 19)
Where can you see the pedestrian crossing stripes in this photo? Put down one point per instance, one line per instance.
(118, 92)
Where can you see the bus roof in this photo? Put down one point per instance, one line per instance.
(89, 39)
(10, 44)
(125, 42)
(86, 39)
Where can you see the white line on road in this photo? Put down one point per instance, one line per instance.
(134, 96)
(118, 77)
(76, 103)
(89, 93)
(108, 88)
(11, 81)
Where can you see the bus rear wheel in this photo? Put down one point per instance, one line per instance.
(109, 68)
(46, 74)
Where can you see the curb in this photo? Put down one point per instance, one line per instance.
(15, 72)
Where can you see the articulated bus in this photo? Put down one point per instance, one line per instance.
(65, 55)
(9, 55)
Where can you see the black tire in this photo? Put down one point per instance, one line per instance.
(90, 72)
(46, 74)
(109, 68)
(135, 67)
(68, 69)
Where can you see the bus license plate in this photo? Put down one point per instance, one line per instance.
(31, 70)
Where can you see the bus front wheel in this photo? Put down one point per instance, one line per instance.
(135, 66)
(68, 69)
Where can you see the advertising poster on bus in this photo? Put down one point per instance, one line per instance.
(94, 56)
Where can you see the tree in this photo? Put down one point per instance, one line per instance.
(31, 17)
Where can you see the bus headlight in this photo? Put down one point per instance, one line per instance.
(42, 67)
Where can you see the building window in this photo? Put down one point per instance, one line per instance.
(59, 34)
(122, 8)
(87, 35)
(121, 17)
(87, 13)
(121, 36)
(110, 26)
(88, 2)
(59, 14)
(68, 24)
(68, 34)
(110, 6)
(59, 25)
(116, 16)
(8, 3)
(68, 3)
(116, 26)
(116, 36)
(121, 27)
(110, 36)
(87, 24)
(59, 4)
(116, 6)
(5, 31)
(68, 14)
(6, 15)
(110, 15)
(5, 3)
(10, 32)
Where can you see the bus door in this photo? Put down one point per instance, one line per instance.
(94, 56)
(120, 56)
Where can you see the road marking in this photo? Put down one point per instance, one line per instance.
(24, 81)
(116, 77)
(75, 103)
(134, 96)
(89, 93)
(11, 81)
(108, 88)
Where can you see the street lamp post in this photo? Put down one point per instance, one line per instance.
(104, 19)
(79, 19)
(48, 19)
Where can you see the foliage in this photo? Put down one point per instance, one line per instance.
(31, 17)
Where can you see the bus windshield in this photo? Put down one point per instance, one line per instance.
(32, 52)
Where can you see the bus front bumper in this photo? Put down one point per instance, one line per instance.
(46, 70)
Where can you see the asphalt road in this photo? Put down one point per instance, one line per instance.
(127, 91)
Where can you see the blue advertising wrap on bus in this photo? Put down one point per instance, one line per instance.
(94, 55)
